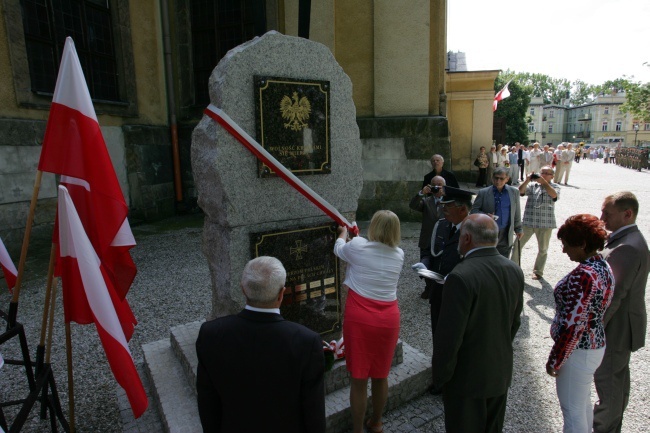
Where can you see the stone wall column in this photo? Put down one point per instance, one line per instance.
(402, 30)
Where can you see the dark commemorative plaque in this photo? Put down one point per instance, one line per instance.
(292, 117)
(313, 287)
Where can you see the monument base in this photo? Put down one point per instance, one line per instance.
(171, 366)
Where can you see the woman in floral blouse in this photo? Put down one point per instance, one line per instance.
(581, 299)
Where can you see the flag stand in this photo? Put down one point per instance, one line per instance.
(42, 386)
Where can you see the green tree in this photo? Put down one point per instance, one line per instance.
(612, 86)
(514, 108)
(581, 92)
(552, 90)
(637, 101)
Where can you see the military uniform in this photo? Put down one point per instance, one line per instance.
(444, 257)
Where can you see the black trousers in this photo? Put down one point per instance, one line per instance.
(504, 245)
(482, 177)
(435, 301)
(473, 415)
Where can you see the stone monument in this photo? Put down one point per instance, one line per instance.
(291, 95)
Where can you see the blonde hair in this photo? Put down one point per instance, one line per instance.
(385, 228)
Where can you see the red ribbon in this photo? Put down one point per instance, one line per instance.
(337, 347)
(256, 149)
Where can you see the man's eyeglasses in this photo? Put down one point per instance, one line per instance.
(548, 173)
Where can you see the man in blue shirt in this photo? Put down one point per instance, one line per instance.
(501, 202)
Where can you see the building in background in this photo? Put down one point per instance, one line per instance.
(600, 123)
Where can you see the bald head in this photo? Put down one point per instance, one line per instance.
(478, 230)
(438, 181)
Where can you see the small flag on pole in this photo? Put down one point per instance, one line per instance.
(74, 148)
(8, 267)
(84, 276)
(501, 95)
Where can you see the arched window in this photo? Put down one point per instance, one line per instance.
(218, 26)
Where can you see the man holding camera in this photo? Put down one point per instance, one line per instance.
(539, 215)
(428, 201)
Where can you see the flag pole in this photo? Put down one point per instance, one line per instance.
(46, 310)
(13, 306)
(51, 324)
(68, 352)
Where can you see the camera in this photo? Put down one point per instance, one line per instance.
(534, 176)
(434, 188)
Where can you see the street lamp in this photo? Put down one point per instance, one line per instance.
(636, 132)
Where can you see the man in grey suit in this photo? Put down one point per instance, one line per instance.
(501, 202)
(627, 253)
(472, 352)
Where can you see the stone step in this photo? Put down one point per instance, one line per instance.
(183, 338)
(175, 399)
(171, 366)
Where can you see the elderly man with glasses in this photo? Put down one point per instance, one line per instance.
(539, 215)
(501, 202)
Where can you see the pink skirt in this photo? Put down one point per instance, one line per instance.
(370, 332)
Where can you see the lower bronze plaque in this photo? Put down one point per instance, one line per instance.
(313, 288)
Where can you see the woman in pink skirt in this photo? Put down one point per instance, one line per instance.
(371, 319)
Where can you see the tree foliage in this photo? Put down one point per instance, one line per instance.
(581, 93)
(513, 109)
(612, 86)
(551, 90)
(637, 101)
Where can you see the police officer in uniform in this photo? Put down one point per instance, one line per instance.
(444, 246)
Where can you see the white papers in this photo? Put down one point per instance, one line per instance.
(431, 275)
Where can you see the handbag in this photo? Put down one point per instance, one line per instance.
(476, 163)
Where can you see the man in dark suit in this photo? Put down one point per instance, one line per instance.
(472, 350)
(437, 162)
(428, 202)
(501, 201)
(625, 320)
(520, 161)
(258, 372)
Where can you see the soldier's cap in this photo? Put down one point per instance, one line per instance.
(456, 194)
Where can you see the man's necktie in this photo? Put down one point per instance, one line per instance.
(452, 232)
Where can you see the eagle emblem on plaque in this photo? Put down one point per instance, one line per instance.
(295, 111)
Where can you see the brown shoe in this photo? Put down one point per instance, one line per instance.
(536, 276)
(374, 428)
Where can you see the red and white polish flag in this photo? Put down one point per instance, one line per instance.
(501, 95)
(8, 267)
(74, 147)
(83, 274)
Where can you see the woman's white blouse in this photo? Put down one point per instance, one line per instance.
(373, 268)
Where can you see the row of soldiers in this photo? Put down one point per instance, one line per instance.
(632, 157)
